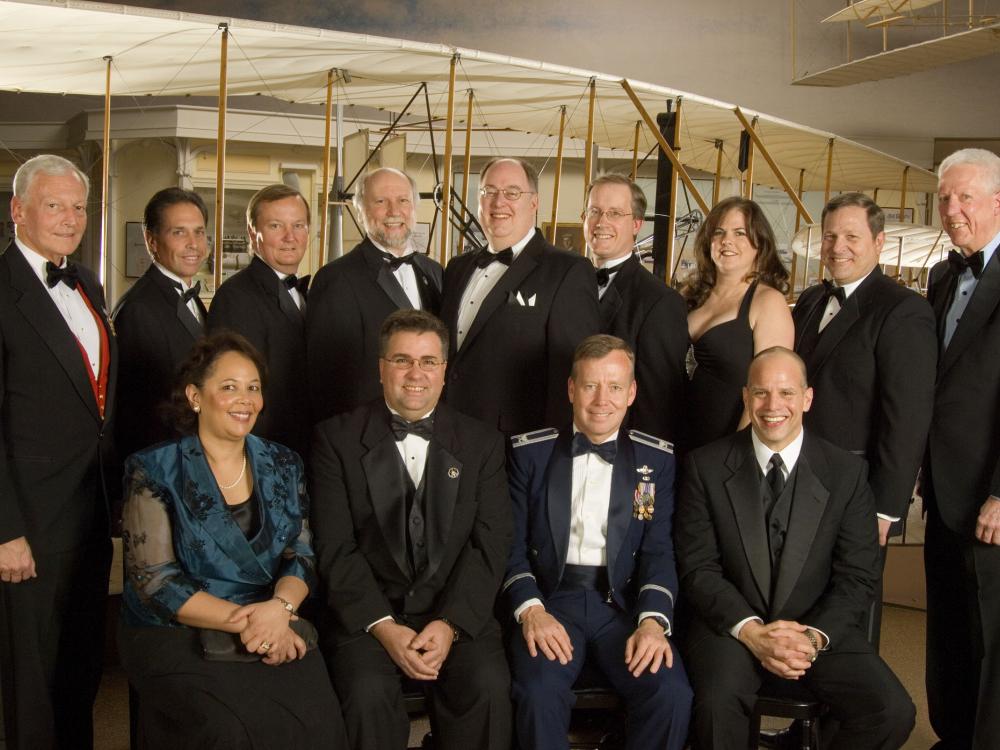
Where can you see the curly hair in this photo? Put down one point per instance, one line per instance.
(767, 267)
(198, 366)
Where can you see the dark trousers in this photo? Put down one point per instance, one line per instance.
(866, 700)
(51, 649)
(963, 637)
(469, 701)
(658, 705)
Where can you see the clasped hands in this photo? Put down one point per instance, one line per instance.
(268, 623)
(16, 561)
(646, 648)
(782, 647)
(419, 655)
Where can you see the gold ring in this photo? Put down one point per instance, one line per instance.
(265, 646)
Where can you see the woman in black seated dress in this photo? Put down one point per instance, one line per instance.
(736, 308)
(216, 540)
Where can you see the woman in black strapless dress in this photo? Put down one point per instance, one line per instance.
(736, 308)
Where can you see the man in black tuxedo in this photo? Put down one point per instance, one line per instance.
(777, 555)
(412, 523)
(961, 473)
(352, 295)
(516, 311)
(160, 317)
(636, 306)
(57, 381)
(266, 302)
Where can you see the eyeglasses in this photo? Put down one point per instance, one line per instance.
(613, 214)
(427, 364)
(511, 194)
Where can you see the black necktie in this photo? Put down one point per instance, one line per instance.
(959, 262)
(582, 445)
(421, 428)
(298, 283)
(484, 257)
(68, 274)
(775, 476)
(395, 261)
(603, 276)
(189, 294)
(832, 290)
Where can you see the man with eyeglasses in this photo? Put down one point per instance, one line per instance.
(352, 295)
(516, 310)
(636, 306)
(412, 523)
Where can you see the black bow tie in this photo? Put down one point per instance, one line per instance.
(395, 261)
(68, 274)
(832, 290)
(582, 445)
(603, 276)
(959, 262)
(189, 294)
(299, 283)
(421, 428)
(484, 257)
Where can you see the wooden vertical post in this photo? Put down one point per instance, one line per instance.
(325, 203)
(558, 176)
(718, 172)
(466, 166)
(748, 186)
(635, 150)
(672, 218)
(102, 262)
(826, 193)
(588, 157)
(220, 156)
(446, 177)
(798, 225)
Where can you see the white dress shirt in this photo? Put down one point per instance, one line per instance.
(405, 275)
(480, 284)
(964, 290)
(184, 286)
(71, 306)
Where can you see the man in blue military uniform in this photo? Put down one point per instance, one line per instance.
(591, 571)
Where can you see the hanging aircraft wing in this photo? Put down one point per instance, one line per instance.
(864, 10)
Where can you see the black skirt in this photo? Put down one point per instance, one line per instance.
(190, 703)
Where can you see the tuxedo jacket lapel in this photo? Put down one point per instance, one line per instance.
(382, 467)
(559, 496)
(430, 292)
(808, 506)
(623, 485)
(43, 315)
(171, 297)
(842, 322)
(982, 305)
(273, 287)
(442, 477)
(611, 302)
(382, 276)
(743, 488)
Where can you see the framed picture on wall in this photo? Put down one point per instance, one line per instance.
(568, 236)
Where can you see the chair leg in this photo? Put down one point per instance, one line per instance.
(808, 727)
(753, 739)
(814, 731)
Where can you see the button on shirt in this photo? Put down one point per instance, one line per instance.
(184, 286)
(833, 304)
(967, 284)
(71, 306)
(405, 275)
(612, 266)
(480, 284)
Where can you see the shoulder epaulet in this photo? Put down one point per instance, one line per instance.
(651, 440)
(536, 436)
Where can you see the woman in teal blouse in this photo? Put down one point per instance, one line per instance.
(216, 539)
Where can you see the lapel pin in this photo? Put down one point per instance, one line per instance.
(644, 470)
(453, 473)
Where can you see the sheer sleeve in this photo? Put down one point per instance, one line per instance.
(298, 558)
(151, 568)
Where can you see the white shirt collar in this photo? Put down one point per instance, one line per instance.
(517, 247)
(849, 290)
(35, 260)
(406, 250)
(393, 411)
(173, 276)
(606, 440)
(789, 454)
(612, 265)
(990, 248)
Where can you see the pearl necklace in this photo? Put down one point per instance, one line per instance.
(240, 477)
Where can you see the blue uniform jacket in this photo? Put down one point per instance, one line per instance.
(180, 538)
(640, 554)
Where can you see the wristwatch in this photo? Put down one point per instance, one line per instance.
(286, 604)
(454, 630)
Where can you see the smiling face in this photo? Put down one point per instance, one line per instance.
(388, 206)
(849, 252)
(507, 221)
(776, 397)
(229, 400)
(601, 390)
(732, 251)
(52, 216)
(281, 234)
(969, 207)
(610, 239)
(180, 244)
(412, 392)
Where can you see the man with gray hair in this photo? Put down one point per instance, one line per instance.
(961, 471)
(57, 382)
(351, 296)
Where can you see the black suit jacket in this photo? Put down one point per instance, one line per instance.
(358, 521)
(827, 571)
(962, 467)
(512, 368)
(872, 373)
(155, 334)
(652, 318)
(255, 303)
(55, 449)
(349, 300)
